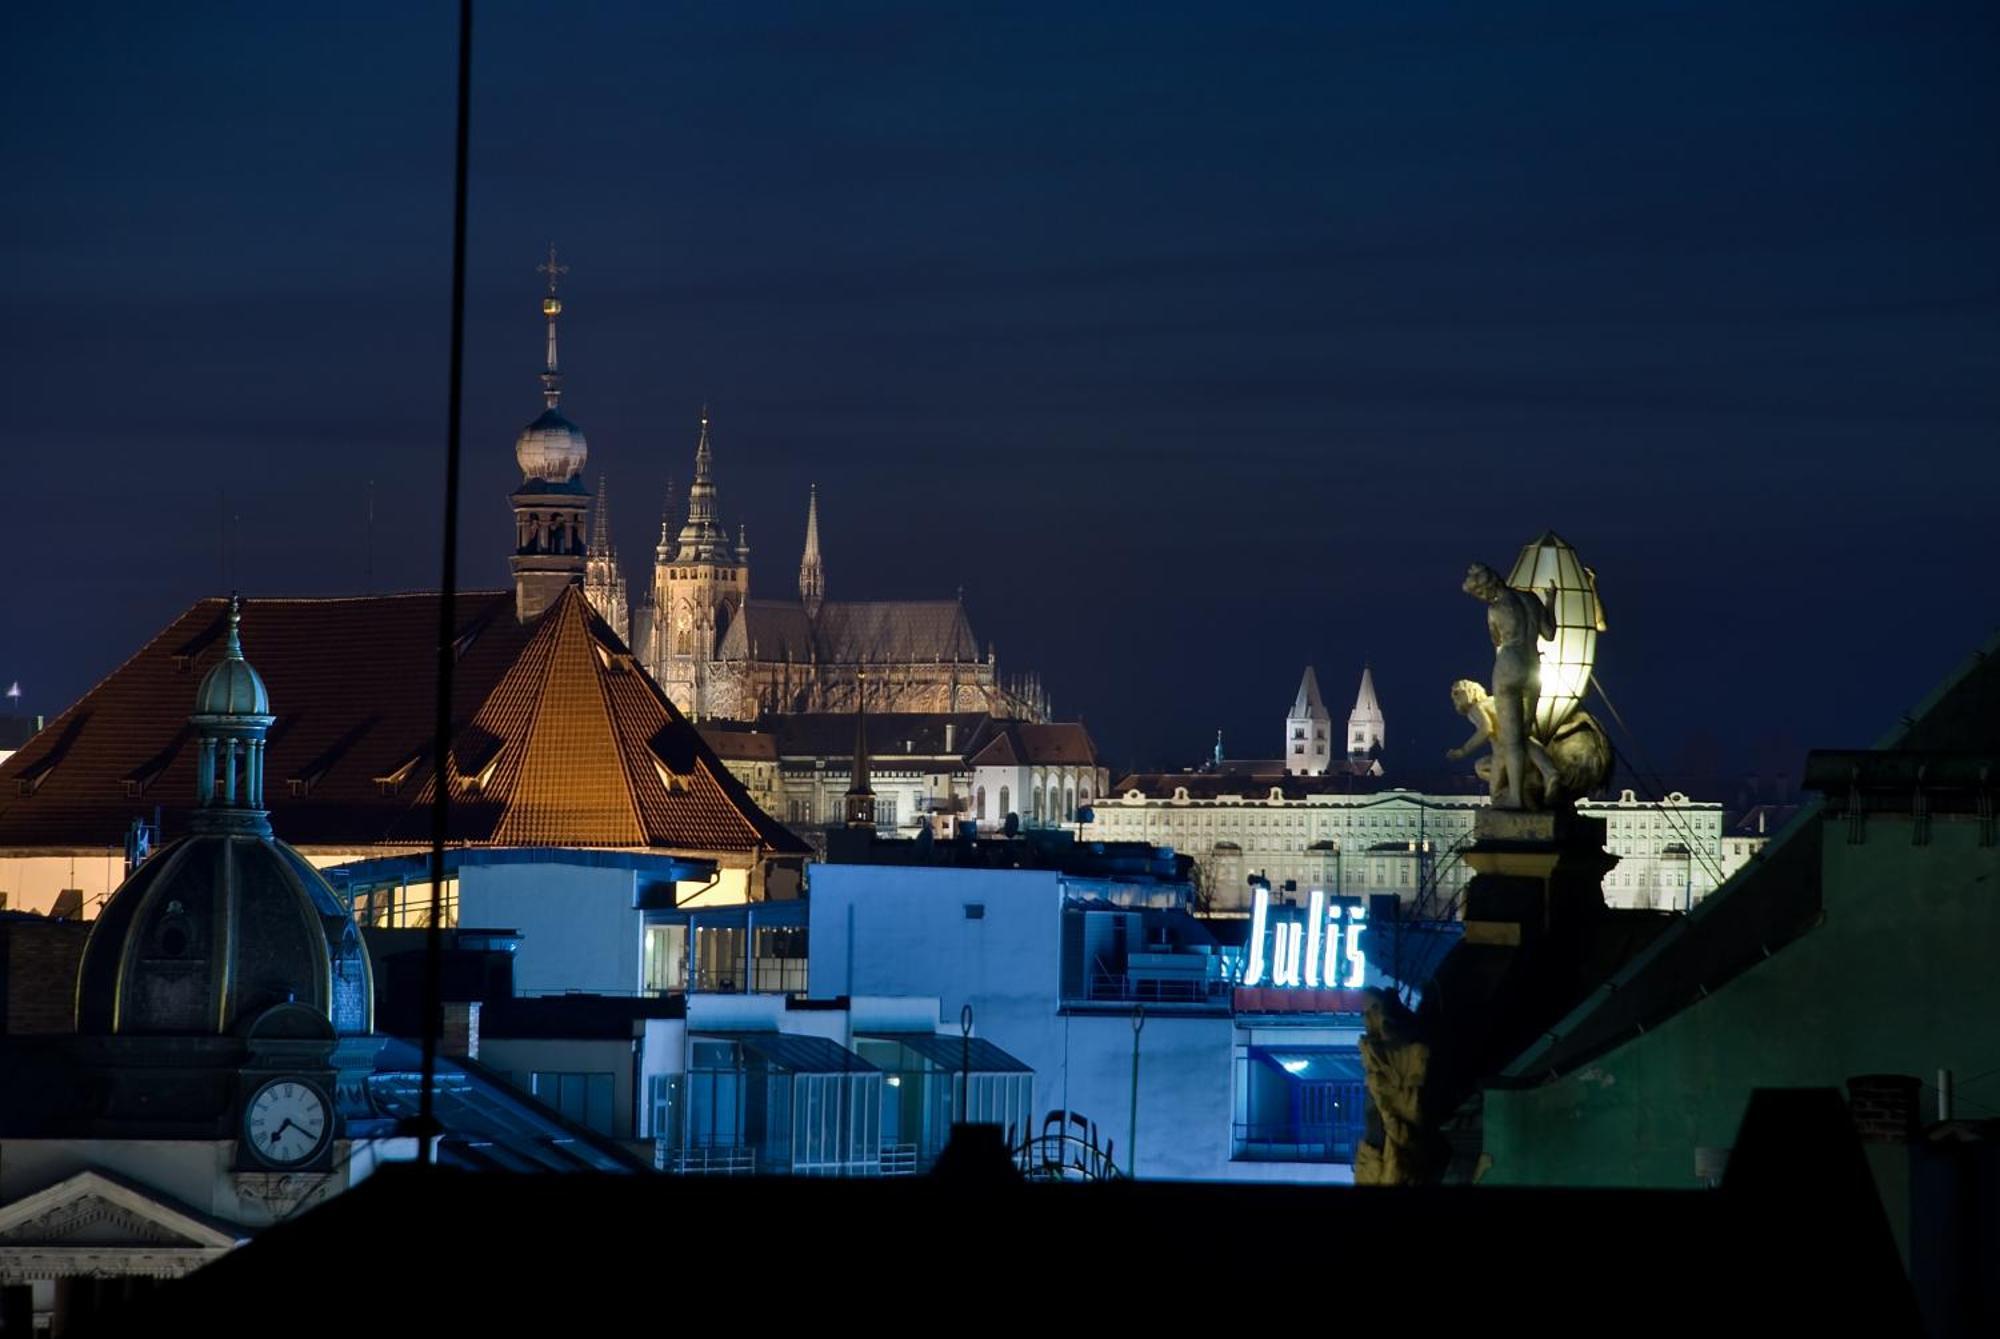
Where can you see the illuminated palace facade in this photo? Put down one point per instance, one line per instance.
(1314, 820)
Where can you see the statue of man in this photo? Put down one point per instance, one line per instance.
(1514, 620)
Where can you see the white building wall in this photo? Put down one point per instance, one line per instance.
(1671, 853)
(911, 936)
(579, 930)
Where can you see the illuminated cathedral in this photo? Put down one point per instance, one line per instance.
(714, 650)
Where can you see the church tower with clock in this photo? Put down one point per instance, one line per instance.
(224, 992)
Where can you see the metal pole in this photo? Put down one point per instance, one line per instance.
(447, 606)
(964, 1062)
(1132, 1129)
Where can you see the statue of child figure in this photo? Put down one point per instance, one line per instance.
(1470, 700)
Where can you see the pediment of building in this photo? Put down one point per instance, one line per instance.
(91, 1209)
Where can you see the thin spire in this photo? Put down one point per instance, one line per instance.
(812, 573)
(600, 521)
(233, 649)
(702, 538)
(552, 308)
(742, 541)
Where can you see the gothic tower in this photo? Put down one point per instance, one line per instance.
(698, 593)
(812, 575)
(1364, 723)
(1308, 731)
(549, 548)
(603, 584)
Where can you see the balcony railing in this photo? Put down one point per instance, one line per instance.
(705, 1159)
(1110, 988)
(1298, 1141)
(899, 1159)
(769, 976)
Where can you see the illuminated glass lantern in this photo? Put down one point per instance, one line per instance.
(1550, 567)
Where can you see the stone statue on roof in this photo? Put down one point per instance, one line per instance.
(1546, 751)
(1515, 620)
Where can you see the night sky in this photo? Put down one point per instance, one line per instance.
(1196, 344)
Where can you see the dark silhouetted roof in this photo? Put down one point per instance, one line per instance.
(1775, 899)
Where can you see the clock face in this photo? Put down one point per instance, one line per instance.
(287, 1121)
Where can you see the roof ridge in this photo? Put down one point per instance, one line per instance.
(584, 621)
(19, 759)
(560, 624)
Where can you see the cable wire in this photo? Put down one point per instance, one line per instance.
(1641, 767)
(433, 1018)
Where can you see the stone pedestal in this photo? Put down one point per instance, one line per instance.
(1530, 871)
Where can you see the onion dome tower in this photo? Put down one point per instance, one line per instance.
(550, 547)
(228, 923)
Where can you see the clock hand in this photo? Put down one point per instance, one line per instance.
(279, 1132)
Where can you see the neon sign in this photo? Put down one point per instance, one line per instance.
(1323, 950)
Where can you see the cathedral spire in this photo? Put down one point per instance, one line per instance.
(552, 308)
(600, 521)
(703, 539)
(812, 575)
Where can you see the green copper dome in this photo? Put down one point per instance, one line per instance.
(231, 687)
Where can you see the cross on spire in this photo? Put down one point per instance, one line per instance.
(552, 269)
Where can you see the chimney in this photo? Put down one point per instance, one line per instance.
(460, 1035)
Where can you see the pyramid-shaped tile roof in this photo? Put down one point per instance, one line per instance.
(564, 741)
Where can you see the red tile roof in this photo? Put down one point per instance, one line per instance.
(565, 740)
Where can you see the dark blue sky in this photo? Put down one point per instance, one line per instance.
(1195, 343)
